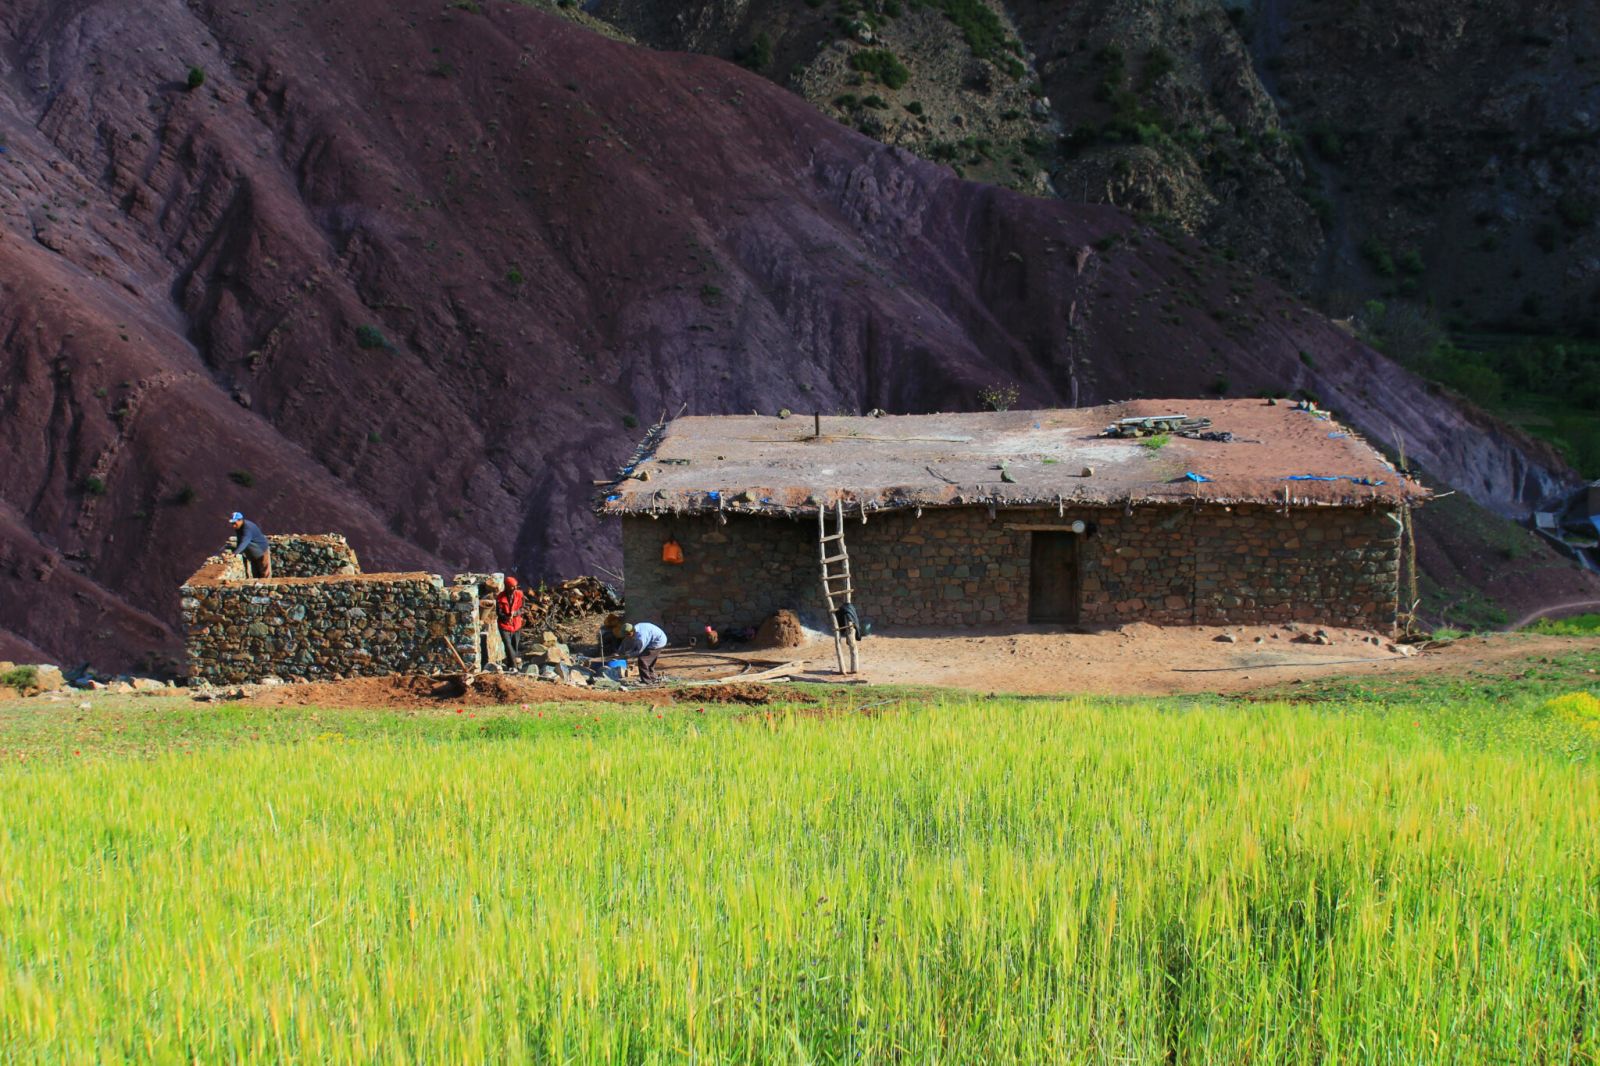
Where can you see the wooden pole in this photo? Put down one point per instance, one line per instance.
(816, 425)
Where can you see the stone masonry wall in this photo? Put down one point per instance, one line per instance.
(958, 567)
(321, 628)
(311, 555)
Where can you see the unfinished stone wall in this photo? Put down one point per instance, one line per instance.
(325, 627)
(958, 567)
(311, 555)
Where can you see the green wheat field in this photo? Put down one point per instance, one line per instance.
(1360, 874)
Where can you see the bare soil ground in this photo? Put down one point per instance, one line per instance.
(1147, 660)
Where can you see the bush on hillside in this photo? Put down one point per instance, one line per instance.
(883, 65)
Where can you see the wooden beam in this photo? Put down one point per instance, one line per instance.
(1031, 527)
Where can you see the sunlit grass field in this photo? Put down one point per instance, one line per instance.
(1368, 875)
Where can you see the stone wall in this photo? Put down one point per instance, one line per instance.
(959, 567)
(311, 555)
(325, 627)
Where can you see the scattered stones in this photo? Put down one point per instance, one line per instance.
(1229, 638)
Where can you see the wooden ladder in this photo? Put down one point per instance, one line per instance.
(837, 589)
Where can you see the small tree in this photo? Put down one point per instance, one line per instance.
(998, 397)
(197, 78)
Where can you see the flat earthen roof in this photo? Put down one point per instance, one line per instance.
(770, 465)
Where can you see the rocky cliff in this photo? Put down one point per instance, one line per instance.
(1439, 151)
(418, 273)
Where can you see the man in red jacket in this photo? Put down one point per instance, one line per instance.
(508, 611)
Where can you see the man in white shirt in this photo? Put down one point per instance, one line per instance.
(643, 641)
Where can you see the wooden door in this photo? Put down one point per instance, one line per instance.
(1053, 580)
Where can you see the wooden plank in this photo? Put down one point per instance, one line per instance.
(774, 674)
(1035, 527)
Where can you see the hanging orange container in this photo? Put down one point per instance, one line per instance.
(672, 553)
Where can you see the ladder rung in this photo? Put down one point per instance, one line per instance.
(833, 536)
(826, 559)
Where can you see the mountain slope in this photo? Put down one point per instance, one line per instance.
(418, 273)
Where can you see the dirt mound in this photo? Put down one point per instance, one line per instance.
(782, 630)
(733, 692)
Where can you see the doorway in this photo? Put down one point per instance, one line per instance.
(1053, 579)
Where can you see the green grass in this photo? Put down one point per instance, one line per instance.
(1583, 625)
(1383, 872)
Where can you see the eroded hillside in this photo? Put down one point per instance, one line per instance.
(420, 273)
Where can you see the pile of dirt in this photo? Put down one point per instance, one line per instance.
(782, 630)
(750, 693)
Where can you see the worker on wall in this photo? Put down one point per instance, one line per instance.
(508, 613)
(251, 544)
(643, 641)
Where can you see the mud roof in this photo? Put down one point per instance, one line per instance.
(770, 465)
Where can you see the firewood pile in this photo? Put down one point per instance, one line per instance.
(548, 604)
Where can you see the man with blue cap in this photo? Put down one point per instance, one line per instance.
(250, 542)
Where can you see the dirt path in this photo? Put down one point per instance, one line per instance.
(1150, 661)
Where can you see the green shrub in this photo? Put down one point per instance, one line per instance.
(1583, 625)
(1308, 359)
(197, 78)
(985, 34)
(21, 678)
(374, 437)
(998, 397)
(915, 107)
(185, 496)
(93, 486)
(1378, 257)
(630, 421)
(757, 55)
(1157, 442)
(876, 102)
(1327, 142)
(1576, 211)
(1158, 63)
(1411, 262)
(883, 65)
(370, 337)
(514, 276)
(242, 478)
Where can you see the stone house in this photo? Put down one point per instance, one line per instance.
(1016, 518)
